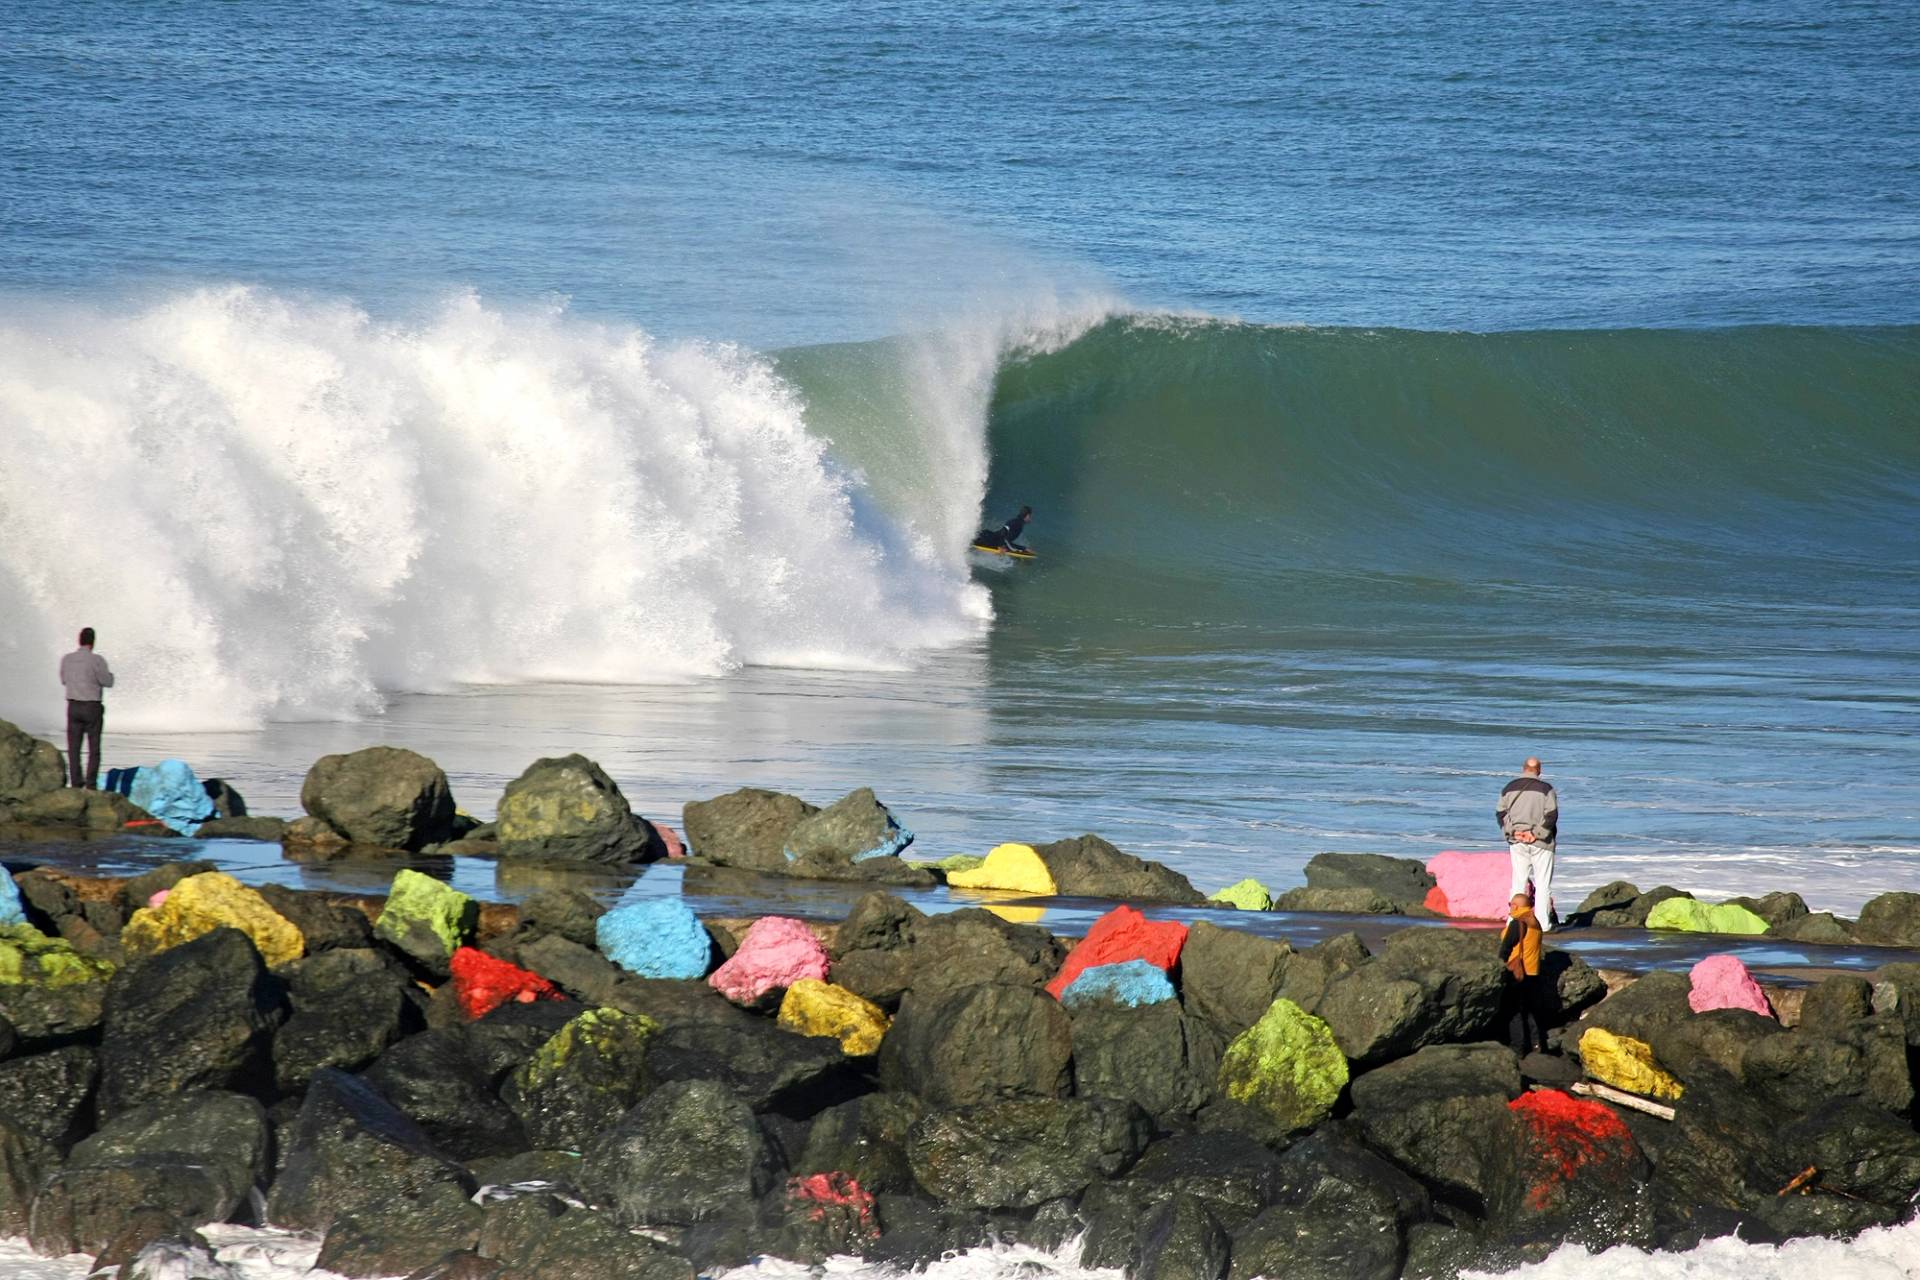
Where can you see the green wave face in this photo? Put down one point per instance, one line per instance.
(1196, 473)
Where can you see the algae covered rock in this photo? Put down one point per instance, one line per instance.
(1694, 916)
(47, 989)
(427, 919)
(745, 828)
(1285, 1066)
(567, 809)
(1015, 868)
(200, 904)
(28, 766)
(657, 939)
(1015, 1155)
(386, 796)
(1625, 1063)
(815, 1008)
(855, 828)
(591, 1070)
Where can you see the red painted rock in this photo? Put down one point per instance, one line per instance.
(776, 953)
(1569, 1154)
(482, 983)
(1120, 935)
(1471, 886)
(1722, 982)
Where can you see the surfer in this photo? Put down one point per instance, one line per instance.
(1529, 817)
(1008, 534)
(85, 674)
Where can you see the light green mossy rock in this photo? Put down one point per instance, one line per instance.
(30, 957)
(1285, 1066)
(1247, 895)
(1694, 916)
(954, 862)
(587, 1073)
(426, 918)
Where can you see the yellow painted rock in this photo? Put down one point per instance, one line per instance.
(1014, 867)
(1625, 1063)
(815, 1008)
(213, 900)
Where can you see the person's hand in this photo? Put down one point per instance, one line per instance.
(1524, 837)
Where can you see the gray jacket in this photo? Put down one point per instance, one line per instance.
(85, 674)
(1529, 803)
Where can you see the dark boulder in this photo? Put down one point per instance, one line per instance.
(1820, 927)
(385, 796)
(759, 1062)
(1339, 1212)
(1402, 881)
(1440, 1113)
(1777, 909)
(81, 810)
(401, 1235)
(566, 809)
(1233, 1175)
(564, 912)
(1892, 920)
(50, 1095)
(1576, 987)
(446, 1081)
(1835, 1006)
(1089, 867)
(594, 1067)
(25, 1162)
(28, 766)
(1155, 1056)
(146, 1227)
(982, 1043)
(348, 1151)
(1570, 1170)
(854, 828)
(1798, 1070)
(135, 893)
(577, 969)
(196, 1156)
(1427, 986)
(879, 921)
(348, 1007)
(1230, 978)
(745, 828)
(245, 827)
(326, 925)
(1355, 900)
(1610, 896)
(56, 993)
(1896, 991)
(961, 948)
(1711, 1044)
(1633, 915)
(1182, 1240)
(888, 870)
(198, 1016)
(1309, 972)
(865, 1138)
(541, 1237)
(882, 975)
(688, 1151)
(1648, 1002)
(1016, 1155)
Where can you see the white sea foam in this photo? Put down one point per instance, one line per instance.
(1891, 1253)
(278, 508)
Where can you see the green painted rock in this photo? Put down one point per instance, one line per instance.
(1247, 895)
(47, 988)
(566, 809)
(425, 918)
(955, 862)
(590, 1071)
(1285, 1066)
(1694, 916)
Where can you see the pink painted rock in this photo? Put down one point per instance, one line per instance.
(776, 953)
(158, 899)
(1722, 982)
(1471, 886)
(1120, 935)
(671, 838)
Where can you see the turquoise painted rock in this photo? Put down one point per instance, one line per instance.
(1131, 982)
(657, 939)
(1285, 1066)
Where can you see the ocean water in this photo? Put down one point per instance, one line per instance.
(1403, 390)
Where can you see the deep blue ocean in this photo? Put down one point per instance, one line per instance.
(1404, 389)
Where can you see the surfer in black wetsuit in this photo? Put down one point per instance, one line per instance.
(1008, 534)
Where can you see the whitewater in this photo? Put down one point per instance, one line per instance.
(280, 508)
(1880, 1253)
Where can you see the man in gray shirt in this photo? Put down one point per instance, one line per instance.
(85, 674)
(1529, 817)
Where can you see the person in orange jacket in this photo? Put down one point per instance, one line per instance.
(1532, 998)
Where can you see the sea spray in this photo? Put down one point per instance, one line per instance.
(276, 507)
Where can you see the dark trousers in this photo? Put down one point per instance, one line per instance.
(1531, 1002)
(84, 720)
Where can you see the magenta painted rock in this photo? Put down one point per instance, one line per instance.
(1471, 886)
(776, 953)
(1722, 982)
(671, 838)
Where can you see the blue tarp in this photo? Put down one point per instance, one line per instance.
(168, 791)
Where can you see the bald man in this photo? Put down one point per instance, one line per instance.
(1529, 817)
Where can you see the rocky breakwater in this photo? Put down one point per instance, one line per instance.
(645, 1094)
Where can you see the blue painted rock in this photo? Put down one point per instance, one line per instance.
(658, 939)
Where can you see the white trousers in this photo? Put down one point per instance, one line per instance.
(1534, 862)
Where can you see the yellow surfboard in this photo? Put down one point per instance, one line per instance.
(1008, 552)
